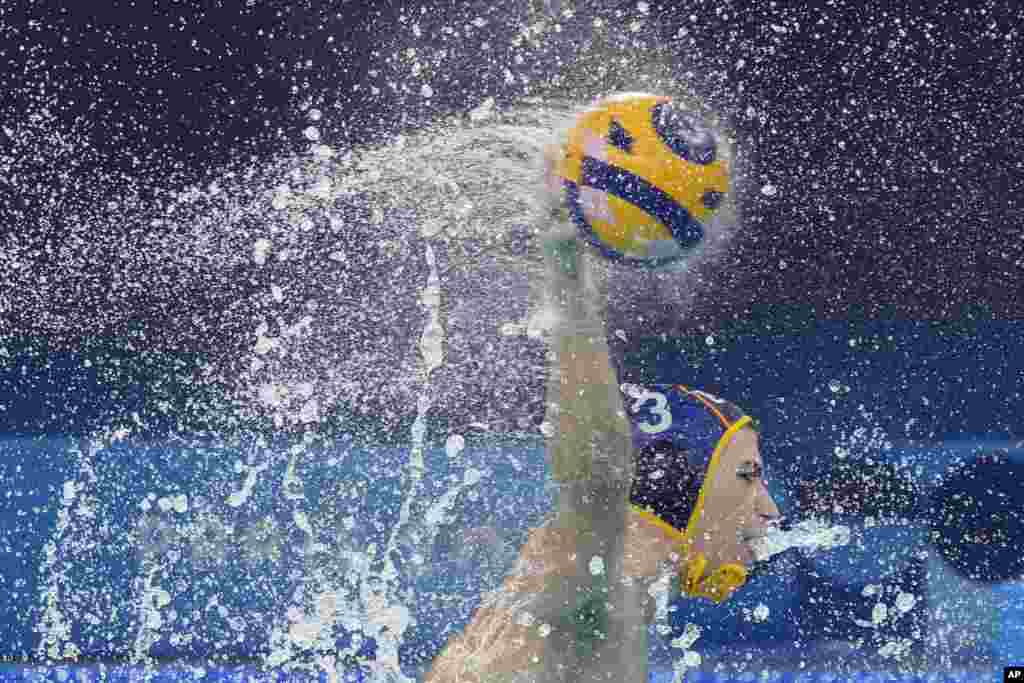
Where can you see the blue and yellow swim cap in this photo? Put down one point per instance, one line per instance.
(678, 434)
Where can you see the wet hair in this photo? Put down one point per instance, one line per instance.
(666, 483)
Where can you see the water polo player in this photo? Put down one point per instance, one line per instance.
(692, 500)
(650, 478)
(697, 501)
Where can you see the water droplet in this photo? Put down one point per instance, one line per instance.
(472, 477)
(905, 602)
(483, 111)
(454, 445)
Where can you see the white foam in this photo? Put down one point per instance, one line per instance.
(69, 492)
(239, 498)
(260, 250)
(454, 445)
(905, 602)
(810, 535)
(449, 176)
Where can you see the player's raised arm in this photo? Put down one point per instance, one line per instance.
(603, 627)
(558, 613)
(635, 178)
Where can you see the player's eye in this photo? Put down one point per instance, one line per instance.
(750, 471)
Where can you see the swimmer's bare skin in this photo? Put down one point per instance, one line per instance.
(507, 634)
(517, 628)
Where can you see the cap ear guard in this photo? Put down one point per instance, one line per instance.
(717, 587)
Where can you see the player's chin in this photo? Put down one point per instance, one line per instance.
(744, 553)
(748, 541)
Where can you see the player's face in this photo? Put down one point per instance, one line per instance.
(737, 505)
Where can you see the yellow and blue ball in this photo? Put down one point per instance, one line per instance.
(641, 177)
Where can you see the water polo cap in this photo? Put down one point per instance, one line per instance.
(678, 434)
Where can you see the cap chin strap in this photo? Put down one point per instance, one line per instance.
(728, 578)
(717, 587)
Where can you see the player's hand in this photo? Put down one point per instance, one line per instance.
(576, 276)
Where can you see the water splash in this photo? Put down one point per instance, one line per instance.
(432, 353)
(310, 286)
(61, 600)
(810, 535)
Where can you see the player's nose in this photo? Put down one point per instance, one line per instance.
(767, 510)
